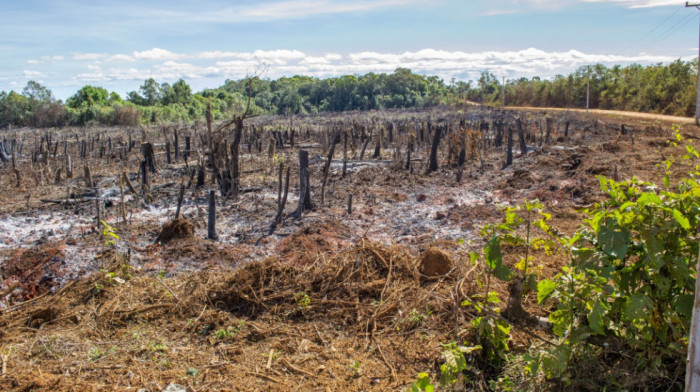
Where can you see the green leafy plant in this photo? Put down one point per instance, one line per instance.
(302, 300)
(109, 234)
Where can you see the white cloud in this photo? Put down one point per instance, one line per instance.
(28, 74)
(90, 56)
(157, 54)
(120, 58)
(446, 64)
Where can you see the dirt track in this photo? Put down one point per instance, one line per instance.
(645, 116)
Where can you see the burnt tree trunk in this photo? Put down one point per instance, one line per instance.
(509, 151)
(327, 166)
(304, 185)
(235, 152)
(521, 134)
(211, 223)
(281, 203)
(148, 156)
(433, 166)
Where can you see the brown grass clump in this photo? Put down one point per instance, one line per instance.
(176, 229)
(359, 320)
(435, 263)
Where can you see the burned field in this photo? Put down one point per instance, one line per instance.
(338, 257)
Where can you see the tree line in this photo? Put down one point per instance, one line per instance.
(659, 88)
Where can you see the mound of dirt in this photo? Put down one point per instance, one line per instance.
(176, 229)
(435, 263)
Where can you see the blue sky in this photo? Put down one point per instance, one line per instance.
(66, 44)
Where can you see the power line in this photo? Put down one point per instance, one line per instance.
(660, 24)
(671, 30)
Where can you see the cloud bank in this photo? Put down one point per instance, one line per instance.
(162, 64)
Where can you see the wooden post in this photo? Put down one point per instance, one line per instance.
(211, 224)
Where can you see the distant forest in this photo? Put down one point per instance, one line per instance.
(660, 88)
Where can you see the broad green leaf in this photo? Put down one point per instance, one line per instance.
(649, 198)
(667, 181)
(635, 308)
(502, 272)
(492, 252)
(545, 287)
(595, 318)
(682, 220)
(654, 248)
(614, 241)
(684, 305)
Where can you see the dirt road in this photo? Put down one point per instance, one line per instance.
(647, 116)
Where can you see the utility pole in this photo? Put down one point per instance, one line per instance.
(503, 105)
(588, 89)
(697, 99)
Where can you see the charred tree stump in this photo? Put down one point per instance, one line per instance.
(378, 146)
(167, 153)
(521, 134)
(433, 166)
(98, 218)
(177, 144)
(566, 129)
(364, 147)
(280, 205)
(87, 176)
(350, 204)
(408, 156)
(460, 163)
(144, 177)
(200, 176)
(304, 185)
(548, 125)
(327, 166)
(148, 156)
(187, 147)
(345, 153)
(235, 152)
(211, 223)
(180, 197)
(509, 151)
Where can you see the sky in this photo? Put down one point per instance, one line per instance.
(67, 44)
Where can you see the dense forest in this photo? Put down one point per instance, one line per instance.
(659, 88)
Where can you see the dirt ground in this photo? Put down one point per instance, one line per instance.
(330, 301)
